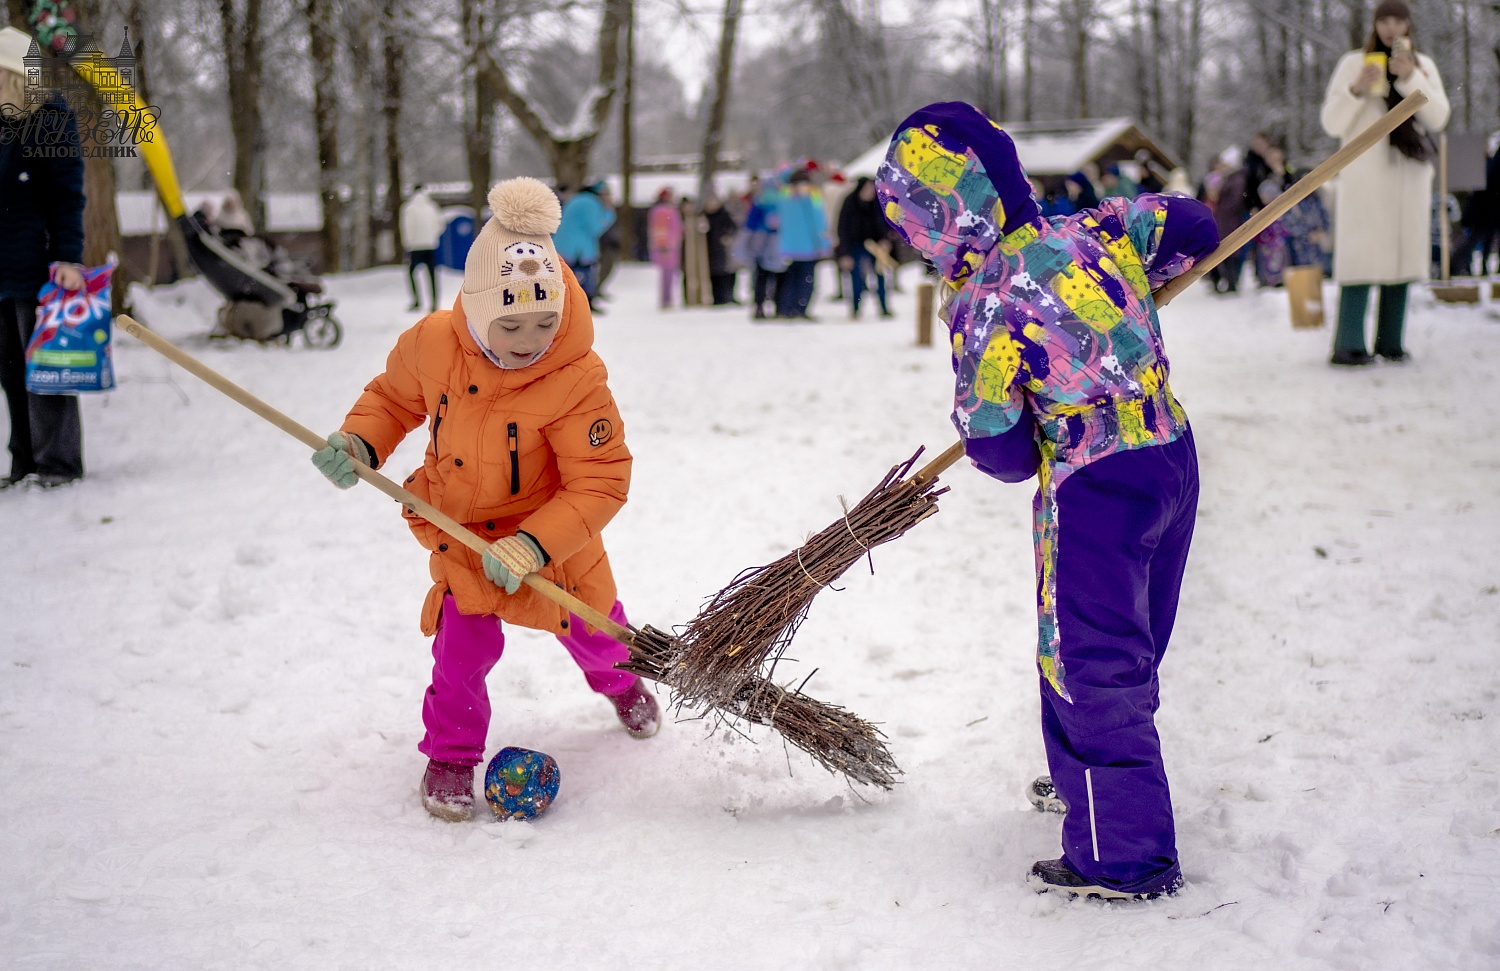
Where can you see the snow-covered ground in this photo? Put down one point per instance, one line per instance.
(213, 674)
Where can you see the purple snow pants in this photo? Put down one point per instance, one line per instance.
(1124, 526)
(457, 707)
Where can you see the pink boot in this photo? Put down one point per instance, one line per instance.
(448, 790)
(638, 711)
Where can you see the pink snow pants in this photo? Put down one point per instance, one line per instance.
(456, 710)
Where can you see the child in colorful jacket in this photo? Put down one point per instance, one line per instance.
(526, 448)
(1061, 371)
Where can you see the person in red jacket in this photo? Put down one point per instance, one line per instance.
(527, 448)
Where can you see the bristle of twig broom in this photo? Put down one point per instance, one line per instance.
(754, 619)
(836, 739)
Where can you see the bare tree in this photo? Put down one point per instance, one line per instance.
(723, 71)
(1190, 28)
(627, 142)
(393, 63)
(360, 16)
(1028, 73)
(1078, 17)
(567, 144)
(853, 34)
(322, 48)
(243, 45)
(993, 86)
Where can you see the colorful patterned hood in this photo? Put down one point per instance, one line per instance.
(1053, 327)
(953, 186)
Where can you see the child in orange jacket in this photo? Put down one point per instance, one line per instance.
(527, 449)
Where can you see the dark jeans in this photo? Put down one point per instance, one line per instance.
(723, 288)
(1226, 276)
(427, 258)
(46, 434)
(1125, 523)
(767, 287)
(588, 278)
(864, 264)
(796, 290)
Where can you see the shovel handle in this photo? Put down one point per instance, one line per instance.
(1283, 203)
(455, 529)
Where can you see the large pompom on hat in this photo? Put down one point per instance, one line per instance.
(513, 268)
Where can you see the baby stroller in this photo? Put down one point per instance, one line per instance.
(270, 297)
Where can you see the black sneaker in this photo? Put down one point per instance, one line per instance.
(1055, 876)
(1343, 358)
(1043, 796)
(1394, 357)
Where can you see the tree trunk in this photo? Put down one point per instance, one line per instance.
(627, 144)
(322, 48)
(242, 44)
(567, 149)
(1140, 62)
(393, 53)
(1158, 52)
(480, 104)
(366, 119)
(992, 86)
(182, 264)
(854, 39)
(723, 74)
(1080, 15)
(101, 224)
(1193, 61)
(1028, 35)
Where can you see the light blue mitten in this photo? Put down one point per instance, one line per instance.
(337, 460)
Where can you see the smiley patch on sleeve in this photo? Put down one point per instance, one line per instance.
(600, 432)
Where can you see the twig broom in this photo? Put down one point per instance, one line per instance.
(837, 739)
(753, 620)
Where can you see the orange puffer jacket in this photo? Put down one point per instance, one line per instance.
(539, 449)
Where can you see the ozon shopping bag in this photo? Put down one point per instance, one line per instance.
(69, 350)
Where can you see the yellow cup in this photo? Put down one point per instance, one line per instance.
(1382, 87)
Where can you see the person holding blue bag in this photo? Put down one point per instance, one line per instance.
(41, 238)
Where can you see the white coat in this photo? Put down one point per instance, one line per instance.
(421, 223)
(1383, 216)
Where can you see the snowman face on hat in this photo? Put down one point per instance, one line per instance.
(525, 258)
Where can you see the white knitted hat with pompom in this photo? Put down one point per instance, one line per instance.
(513, 268)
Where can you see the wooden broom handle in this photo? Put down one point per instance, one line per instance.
(455, 529)
(1300, 190)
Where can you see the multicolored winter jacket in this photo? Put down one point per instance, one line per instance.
(1056, 343)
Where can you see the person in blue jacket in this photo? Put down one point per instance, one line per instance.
(585, 217)
(802, 234)
(41, 233)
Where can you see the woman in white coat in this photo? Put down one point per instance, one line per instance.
(1384, 197)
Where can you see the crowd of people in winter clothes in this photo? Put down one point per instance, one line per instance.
(778, 230)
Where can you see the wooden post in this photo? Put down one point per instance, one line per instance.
(1445, 289)
(925, 292)
(1444, 230)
